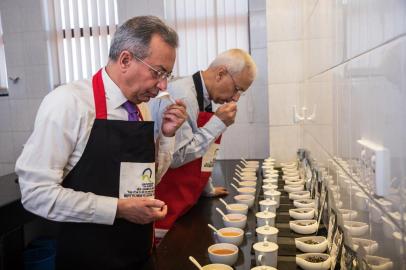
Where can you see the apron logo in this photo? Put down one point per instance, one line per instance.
(146, 175)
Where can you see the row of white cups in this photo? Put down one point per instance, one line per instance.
(235, 217)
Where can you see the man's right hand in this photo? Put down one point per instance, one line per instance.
(227, 113)
(141, 210)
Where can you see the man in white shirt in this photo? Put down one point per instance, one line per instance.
(197, 141)
(90, 161)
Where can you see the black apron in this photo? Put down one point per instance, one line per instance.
(123, 245)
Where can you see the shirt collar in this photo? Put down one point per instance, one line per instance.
(113, 93)
(206, 98)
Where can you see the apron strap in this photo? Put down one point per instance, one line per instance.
(99, 96)
(197, 80)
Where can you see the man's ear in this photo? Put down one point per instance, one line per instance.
(221, 72)
(124, 60)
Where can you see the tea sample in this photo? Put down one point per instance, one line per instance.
(311, 242)
(230, 233)
(234, 219)
(222, 251)
(315, 259)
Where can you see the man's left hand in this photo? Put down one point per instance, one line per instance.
(220, 191)
(173, 117)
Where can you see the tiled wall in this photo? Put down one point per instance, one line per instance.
(248, 136)
(26, 58)
(285, 75)
(353, 64)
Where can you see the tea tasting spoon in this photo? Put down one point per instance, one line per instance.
(196, 263)
(238, 174)
(234, 186)
(235, 179)
(222, 213)
(238, 166)
(224, 202)
(165, 94)
(214, 228)
(244, 160)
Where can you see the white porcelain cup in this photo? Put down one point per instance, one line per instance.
(269, 187)
(271, 233)
(268, 204)
(264, 218)
(228, 258)
(273, 195)
(269, 252)
(272, 181)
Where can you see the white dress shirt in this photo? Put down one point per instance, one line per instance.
(61, 131)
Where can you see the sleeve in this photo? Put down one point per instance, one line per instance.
(165, 148)
(193, 142)
(41, 166)
(209, 188)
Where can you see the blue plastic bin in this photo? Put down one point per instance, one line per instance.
(40, 258)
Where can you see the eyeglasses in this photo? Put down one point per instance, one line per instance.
(160, 75)
(237, 90)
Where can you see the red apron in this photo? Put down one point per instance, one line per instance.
(180, 188)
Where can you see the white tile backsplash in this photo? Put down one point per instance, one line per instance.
(26, 56)
(284, 142)
(37, 81)
(35, 48)
(258, 32)
(17, 89)
(11, 17)
(32, 16)
(261, 60)
(284, 20)
(13, 47)
(282, 98)
(5, 115)
(6, 146)
(285, 61)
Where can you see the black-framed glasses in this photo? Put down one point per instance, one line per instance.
(237, 90)
(160, 75)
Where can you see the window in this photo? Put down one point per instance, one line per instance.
(83, 30)
(206, 28)
(3, 68)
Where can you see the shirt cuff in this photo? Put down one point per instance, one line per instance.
(166, 144)
(215, 126)
(106, 208)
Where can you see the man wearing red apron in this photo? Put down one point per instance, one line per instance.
(90, 162)
(197, 141)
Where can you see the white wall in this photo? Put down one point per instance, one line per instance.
(248, 137)
(285, 74)
(26, 58)
(347, 58)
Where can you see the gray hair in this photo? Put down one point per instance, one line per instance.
(135, 36)
(235, 60)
